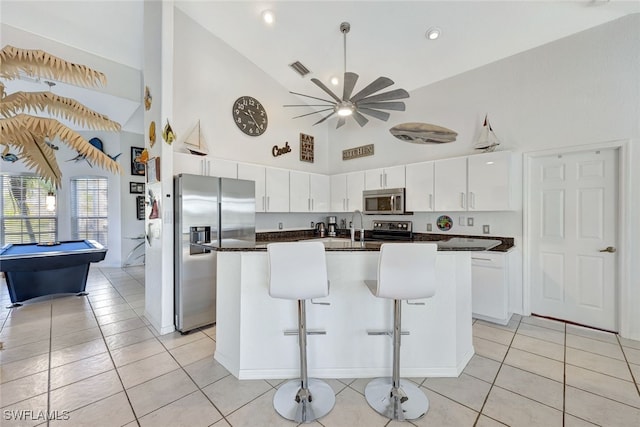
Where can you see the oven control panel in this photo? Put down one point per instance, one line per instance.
(392, 226)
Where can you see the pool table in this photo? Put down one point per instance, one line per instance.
(33, 270)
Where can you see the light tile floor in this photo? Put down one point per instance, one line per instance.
(95, 361)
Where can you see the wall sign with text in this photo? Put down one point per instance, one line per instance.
(306, 148)
(354, 153)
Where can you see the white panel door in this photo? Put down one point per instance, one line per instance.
(393, 177)
(374, 179)
(573, 211)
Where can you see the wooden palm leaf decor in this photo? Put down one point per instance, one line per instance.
(29, 134)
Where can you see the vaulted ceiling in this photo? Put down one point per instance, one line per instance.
(387, 38)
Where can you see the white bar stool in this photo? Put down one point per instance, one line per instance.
(405, 271)
(298, 271)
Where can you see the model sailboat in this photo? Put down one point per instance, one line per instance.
(195, 143)
(487, 141)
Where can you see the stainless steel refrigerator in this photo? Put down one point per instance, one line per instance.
(209, 212)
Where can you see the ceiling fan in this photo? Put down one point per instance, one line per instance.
(363, 102)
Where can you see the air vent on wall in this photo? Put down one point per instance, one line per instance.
(299, 68)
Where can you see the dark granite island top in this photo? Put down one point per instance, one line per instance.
(342, 242)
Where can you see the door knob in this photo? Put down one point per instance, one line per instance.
(609, 249)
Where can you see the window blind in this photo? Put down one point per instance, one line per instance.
(89, 209)
(25, 218)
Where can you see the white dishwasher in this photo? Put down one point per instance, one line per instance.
(490, 287)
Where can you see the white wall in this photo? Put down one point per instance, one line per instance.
(208, 77)
(578, 90)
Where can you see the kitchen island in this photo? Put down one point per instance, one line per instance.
(256, 334)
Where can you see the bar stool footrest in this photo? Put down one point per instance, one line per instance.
(321, 403)
(409, 402)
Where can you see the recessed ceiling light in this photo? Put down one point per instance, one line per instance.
(268, 16)
(335, 81)
(433, 33)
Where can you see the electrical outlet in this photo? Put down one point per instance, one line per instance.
(312, 224)
(470, 221)
(280, 226)
(485, 229)
(461, 221)
(429, 227)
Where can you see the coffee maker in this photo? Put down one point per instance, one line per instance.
(332, 226)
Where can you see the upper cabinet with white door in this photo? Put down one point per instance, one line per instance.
(419, 187)
(450, 190)
(482, 182)
(204, 165)
(490, 183)
(346, 191)
(308, 192)
(272, 186)
(391, 177)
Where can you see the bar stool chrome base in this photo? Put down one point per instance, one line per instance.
(317, 403)
(408, 402)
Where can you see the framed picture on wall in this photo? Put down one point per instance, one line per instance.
(136, 187)
(137, 168)
(140, 207)
(153, 170)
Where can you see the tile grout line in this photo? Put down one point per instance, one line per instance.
(633, 378)
(497, 373)
(49, 370)
(109, 353)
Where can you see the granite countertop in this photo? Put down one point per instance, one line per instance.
(342, 241)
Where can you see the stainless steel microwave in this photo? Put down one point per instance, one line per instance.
(387, 201)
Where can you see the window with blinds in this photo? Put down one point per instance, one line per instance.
(25, 218)
(89, 207)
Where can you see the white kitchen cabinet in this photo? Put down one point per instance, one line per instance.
(272, 186)
(450, 189)
(496, 285)
(346, 191)
(489, 181)
(391, 177)
(308, 192)
(419, 187)
(191, 164)
(223, 168)
(204, 165)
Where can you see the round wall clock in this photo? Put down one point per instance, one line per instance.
(250, 116)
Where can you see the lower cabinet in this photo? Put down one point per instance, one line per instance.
(496, 283)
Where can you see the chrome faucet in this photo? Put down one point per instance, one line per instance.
(353, 231)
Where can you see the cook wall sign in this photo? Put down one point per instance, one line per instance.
(277, 151)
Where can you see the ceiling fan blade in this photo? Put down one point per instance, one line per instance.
(341, 121)
(350, 80)
(308, 114)
(324, 118)
(378, 84)
(397, 106)
(309, 105)
(362, 120)
(326, 89)
(375, 113)
(387, 96)
(313, 97)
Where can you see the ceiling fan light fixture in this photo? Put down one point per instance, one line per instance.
(268, 16)
(433, 33)
(335, 81)
(344, 108)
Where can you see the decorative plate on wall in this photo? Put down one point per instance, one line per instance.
(444, 222)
